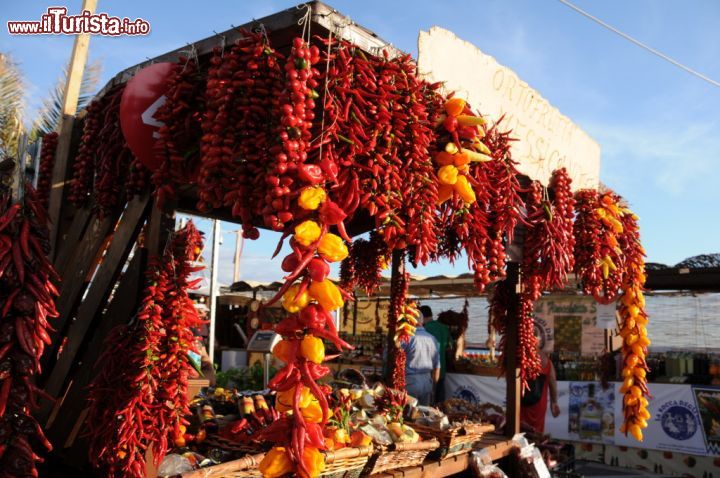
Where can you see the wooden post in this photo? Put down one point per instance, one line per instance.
(76, 69)
(512, 371)
(238, 252)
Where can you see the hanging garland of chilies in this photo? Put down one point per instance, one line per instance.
(27, 301)
(47, 162)
(308, 295)
(610, 261)
(139, 398)
(364, 265)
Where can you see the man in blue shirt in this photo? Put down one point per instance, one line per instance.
(422, 365)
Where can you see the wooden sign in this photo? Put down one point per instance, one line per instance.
(547, 139)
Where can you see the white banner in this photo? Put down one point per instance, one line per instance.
(590, 414)
(675, 424)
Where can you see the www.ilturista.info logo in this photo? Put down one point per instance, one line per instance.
(56, 21)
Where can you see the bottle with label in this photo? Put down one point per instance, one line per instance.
(591, 416)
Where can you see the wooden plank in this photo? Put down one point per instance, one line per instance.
(122, 241)
(512, 372)
(68, 245)
(74, 281)
(121, 308)
(71, 94)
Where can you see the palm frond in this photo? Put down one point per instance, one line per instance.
(12, 92)
(49, 116)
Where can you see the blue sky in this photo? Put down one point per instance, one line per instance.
(658, 126)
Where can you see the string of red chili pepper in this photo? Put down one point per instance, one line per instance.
(27, 301)
(47, 162)
(137, 397)
(180, 317)
(84, 165)
(179, 137)
(112, 156)
(138, 179)
(363, 267)
(397, 358)
(598, 258)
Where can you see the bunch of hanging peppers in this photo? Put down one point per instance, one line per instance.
(363, 267)
(396, 354)
(310, 298)
(84, 164)
(178, 139)
(611, 263)
(27, 301)
(138, 400)
(47, 162)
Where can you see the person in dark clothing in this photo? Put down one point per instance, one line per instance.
(441, 332)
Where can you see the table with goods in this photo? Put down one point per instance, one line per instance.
(289, 126)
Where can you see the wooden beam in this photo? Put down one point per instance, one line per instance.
(76, 69)
(75, 280)
(69, 244)
(122, 241)
(66, 413)
(512, 371)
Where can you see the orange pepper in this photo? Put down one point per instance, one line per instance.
(313, 349)
(358, 438)
(284, 399)
(311, 197)
(282, 351)
(332, 248)
(307, 232)
(463, 188)
(445, 192)
(455, 106)
(327, 295)
(276, 463)
(444, 158)
(461, 159)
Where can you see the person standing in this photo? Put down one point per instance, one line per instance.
(422, 365)
(441, 332)
(534, 403)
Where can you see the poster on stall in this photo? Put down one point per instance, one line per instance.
(591, 412)
(569, 324)
(674, 424)
(708, 403)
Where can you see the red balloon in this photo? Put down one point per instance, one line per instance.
(143, 95)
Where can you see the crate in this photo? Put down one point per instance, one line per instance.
(399, 455)
(456, 440)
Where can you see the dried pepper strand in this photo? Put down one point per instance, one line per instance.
(177, 144)
(139, 396)
(397, 358)
(138, 179)
(47, 162)
(27, 303)
(363, 267)
(84, 165)
(307, 295)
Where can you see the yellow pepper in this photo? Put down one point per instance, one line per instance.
(292, 302)
(284, 400)
(307, 232)
(327, 295)
(332, 248)
(314, 462)
(311, 197)
(276, 463)
(313, 412)
(470, 120)
(445, 192)
(312, 348)
(283, 350)
(463, 188)
(451, 148)
(481, 147)
(448, 174)
(455, 106)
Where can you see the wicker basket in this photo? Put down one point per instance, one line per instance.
(456, 440)
(343, 463)
(399, 455)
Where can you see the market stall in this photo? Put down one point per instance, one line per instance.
(309, 125)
